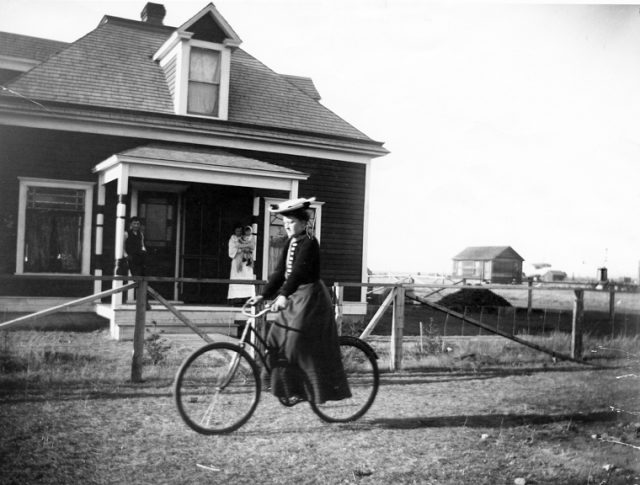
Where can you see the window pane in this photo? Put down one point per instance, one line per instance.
(156, 223)
(53, 241)
(55, 198)
(204, 66)
(203, 98)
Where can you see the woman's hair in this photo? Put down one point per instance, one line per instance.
(301, 214)
(238, 225)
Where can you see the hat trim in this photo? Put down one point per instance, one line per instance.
(291, 205)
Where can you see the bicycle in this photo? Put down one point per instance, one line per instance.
(217, 388)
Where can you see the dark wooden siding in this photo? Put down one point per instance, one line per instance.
(71, 156)
(47, 154)
(341, 186)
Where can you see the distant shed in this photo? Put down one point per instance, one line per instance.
(494, 264)
(553, 275)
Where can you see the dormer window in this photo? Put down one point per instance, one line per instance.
(204, 82)
(196, 60)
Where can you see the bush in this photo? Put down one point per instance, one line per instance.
(157, 347)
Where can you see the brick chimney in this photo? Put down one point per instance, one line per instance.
(153, 13)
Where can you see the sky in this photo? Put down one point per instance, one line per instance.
(509, 124)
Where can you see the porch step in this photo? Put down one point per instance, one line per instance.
(212, 320)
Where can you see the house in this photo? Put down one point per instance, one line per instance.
(181, 127)
(553, 275)
(493, 264)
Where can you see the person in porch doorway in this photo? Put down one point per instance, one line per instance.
(239, 247)
(135, 251)
(304, 334)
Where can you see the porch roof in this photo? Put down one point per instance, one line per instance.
(196, 164)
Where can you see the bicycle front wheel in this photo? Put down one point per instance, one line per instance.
(361, 367)
(217, 388)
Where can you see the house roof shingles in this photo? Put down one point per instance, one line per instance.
(112, 67)
(487, 253)
(26, 47)
(205, 156)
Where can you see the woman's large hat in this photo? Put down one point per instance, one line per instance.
(291, 205)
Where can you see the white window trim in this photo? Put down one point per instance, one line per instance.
(25, 183)
(317, 206)
(180, 48)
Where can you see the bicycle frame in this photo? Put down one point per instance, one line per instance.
(229, 366)
(250, 335)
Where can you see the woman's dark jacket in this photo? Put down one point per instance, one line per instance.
(305, 267)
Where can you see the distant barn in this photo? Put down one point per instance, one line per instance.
(493, 264)
(553, 275)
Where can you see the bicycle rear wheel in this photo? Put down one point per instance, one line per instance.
(217, 388)
(360, 364)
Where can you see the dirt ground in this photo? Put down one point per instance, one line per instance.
(553, 424)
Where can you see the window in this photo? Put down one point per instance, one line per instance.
(54, 226)
(204, 81)
(277, 237)
(468, 269)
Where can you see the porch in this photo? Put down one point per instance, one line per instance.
(189, 201)
(218, 321)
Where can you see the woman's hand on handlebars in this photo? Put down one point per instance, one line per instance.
(280, 303)
(254, 300)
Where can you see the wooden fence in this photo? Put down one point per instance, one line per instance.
(397, 295)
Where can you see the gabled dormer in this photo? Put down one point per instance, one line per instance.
(196, 60)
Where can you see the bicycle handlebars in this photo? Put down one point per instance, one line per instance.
(246, 313)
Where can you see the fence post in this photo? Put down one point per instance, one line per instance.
(338, 292)
(529, 296)
(397, 328)
(576, 327)
(138, 331)
(612, 308)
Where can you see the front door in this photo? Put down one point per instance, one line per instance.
(158, 212)
(210, 212)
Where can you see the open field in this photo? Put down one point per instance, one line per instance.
(552, 311)
(69, 415)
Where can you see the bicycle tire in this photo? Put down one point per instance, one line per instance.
(214, 396)
(361, 367)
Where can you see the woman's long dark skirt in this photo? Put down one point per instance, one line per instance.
(311, 343)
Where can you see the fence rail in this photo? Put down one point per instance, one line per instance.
(394, 296)
(525, 318)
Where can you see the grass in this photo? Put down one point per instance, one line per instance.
(484, 412)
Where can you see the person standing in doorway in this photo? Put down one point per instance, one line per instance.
(134, 248)
(238, 249)
(135, 251)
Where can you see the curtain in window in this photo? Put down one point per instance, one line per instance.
(53, 242)
(204, 81)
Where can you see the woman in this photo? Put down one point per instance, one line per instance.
(305, 330)
(239, 269)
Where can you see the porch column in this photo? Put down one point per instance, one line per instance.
(254, 229)
(293, 193)
(121, 214)
(133, 211)
(97, 271)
